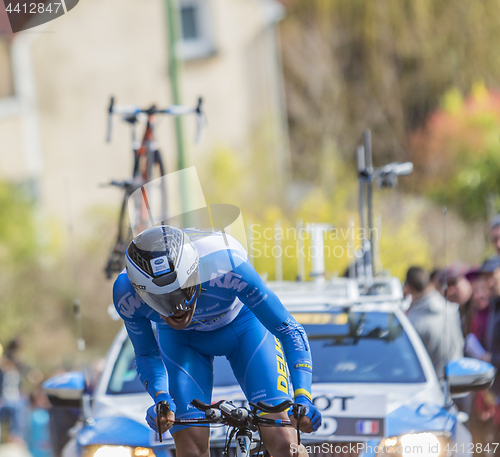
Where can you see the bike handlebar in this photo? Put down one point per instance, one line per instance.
(226, 412)
(241, 420)
(132, 111)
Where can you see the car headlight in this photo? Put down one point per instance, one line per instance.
(116, 451)
(432, 444)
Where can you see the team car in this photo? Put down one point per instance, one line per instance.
(372, 381)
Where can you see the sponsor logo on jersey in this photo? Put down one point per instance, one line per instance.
(296, 332)
(303, 365)
(255, 297)
(128, 304)
(228, 280)
(210, 308)
(281, 367)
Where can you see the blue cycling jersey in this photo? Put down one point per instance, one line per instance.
(224, 296)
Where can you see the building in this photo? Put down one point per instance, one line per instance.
(56, 80)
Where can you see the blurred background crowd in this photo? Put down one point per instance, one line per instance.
(288, 86)
(456, 311)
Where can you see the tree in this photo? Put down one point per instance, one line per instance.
(351, 64)
(457, 152)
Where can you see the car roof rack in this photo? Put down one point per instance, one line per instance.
(338, 292)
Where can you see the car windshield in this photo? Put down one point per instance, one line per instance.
(124, 379)
(360, 347)
(346, 347)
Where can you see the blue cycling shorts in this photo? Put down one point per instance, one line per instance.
(256, 357)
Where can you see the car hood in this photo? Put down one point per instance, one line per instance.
(396, 395)
(410, 407)
(120, 420)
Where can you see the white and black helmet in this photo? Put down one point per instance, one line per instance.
(163, 266)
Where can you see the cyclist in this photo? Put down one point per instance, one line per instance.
(206, 300)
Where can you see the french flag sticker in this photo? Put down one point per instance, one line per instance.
(367, 427)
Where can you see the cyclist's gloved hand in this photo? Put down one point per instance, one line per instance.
(151, 413)
(312, 418)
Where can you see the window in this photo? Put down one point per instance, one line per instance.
(124, 379)
(190, 27)
(362, 347)
(196, 35)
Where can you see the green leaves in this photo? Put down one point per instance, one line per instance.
(457, 153)
(17, 227)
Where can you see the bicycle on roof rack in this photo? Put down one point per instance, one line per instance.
(242, 422)
(147, 166)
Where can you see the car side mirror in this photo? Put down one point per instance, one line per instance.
(466, 375)
(65, 390)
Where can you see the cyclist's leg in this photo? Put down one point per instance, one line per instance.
(259, 365)
(189, 376)
(192, 442)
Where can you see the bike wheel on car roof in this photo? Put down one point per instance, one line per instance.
(116, 259)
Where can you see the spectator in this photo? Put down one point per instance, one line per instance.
(14, 403)
(491, 270)
(436, 321)
(495, 233)
(459, 291)
(436, 278)
(480, 304)
(485, 414)
(488, 333)
(39, 436)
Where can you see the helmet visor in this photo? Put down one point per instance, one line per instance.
(168, 304)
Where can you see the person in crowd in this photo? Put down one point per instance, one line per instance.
(495, 233)
(14, 403)
(436, 279)
(459, 290)
(39, 437)
(436, 321)
(491, 271)
(480, 304)
(485, 414)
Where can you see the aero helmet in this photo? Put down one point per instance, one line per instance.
(163, 267)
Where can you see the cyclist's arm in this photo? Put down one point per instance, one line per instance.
(267, 307)
(150, 367)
